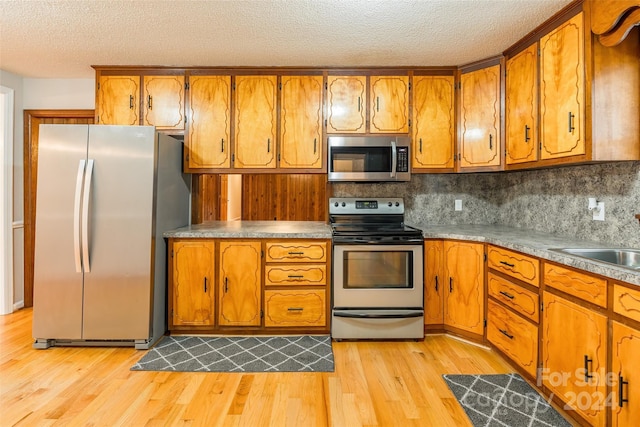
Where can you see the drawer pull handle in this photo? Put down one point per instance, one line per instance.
(293, 276)
(507, 264)
(587, 375)
(131, 102)
(571, 127)
(222, 143)
(436, 283)
(205, 285)
(226, 285)
(295, 309)
(526, 133)
(296, 253)
(506, 294)
(505, 333)
(150, 102)
(621, 383)
(450, 284)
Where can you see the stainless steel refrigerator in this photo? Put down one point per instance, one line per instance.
(105, 195)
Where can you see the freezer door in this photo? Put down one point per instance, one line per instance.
(118, 273)
(57, 287)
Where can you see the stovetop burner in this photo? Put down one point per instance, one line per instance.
(359, 220)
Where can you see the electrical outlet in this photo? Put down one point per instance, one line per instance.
(598, 212)
(458, 205)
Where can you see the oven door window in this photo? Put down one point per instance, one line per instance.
(379, 269)
(360, 159)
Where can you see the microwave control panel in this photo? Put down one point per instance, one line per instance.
(403, 159)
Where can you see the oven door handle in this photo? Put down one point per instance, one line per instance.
(360, 315)
(394, 159)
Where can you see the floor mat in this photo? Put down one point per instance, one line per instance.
(503, 400)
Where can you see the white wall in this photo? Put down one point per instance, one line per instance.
(59, 94)
(36, 94)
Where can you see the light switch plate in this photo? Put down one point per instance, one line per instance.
(458, 205)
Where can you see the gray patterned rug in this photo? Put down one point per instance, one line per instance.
(239, 354)
(502, 400)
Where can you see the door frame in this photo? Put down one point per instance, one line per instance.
(6, 214)
(32, 119)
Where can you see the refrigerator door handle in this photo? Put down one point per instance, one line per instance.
(86, 197)
(76, 216)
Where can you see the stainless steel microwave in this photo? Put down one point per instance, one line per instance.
(369, 158)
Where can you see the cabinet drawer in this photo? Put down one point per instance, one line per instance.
(521, 300)
(580, 285)
(289, 308)
(516, 265)
(626, 301)
(297, 252)
(516, 337)
(281, 274)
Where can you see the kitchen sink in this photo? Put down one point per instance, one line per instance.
(629, 258)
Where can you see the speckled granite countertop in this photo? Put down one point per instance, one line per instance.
(533, 243)
(254, 229)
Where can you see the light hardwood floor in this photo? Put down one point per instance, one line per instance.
(374, 384)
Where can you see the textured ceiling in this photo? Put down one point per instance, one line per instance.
(63, 38)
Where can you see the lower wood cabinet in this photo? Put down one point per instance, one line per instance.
(454, 286)
(223, 285)
(625, 354)
(295, 308)
(574, 356)
(514, 336)
(192, 266)
(240, 286)
(464, 286)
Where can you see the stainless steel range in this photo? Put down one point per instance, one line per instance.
(377, 270)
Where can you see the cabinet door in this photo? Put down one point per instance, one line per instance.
(480, 118)
(240, 286)
(389, 110)
(626, 385)
(209, 122)
(433, 282)
(562, 99)
(575, 338)
(193, 293)
(255, 122)
(346, 99)
(118, 100)
(434, 122)
(301, 122)
(164, 101)
(464, 286)
(521, 106)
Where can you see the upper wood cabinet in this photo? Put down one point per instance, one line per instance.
(209, 120)
(240, 285)
(384, 101)
(192, 291)
(118, 100)
(464, 286)
(255, 121)
(301, 122)
(588, 95)
(389, 109)
(612, 20)
(433, 123)
(163, 101)
(346, 99)
(521, 106)
(480, 124)
(562, 98)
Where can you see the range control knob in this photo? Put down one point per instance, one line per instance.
(335, 204)
(390, 204)
(397, 203)
(344, 204)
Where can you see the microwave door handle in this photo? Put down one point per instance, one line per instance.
(394, 159)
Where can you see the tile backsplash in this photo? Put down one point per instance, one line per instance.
(549, 200)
